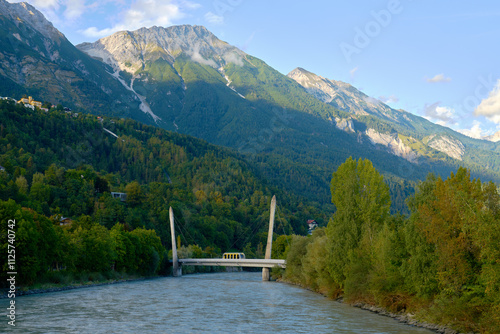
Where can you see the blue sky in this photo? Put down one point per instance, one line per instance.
(435, 59)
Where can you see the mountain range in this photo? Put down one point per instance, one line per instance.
(296, 128)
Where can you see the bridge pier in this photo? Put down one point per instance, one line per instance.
(265, 271)
(176, 269)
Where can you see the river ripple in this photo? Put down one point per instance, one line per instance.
(205, 303)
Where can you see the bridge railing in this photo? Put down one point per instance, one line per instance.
(255, 263)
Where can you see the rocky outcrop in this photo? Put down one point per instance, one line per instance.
(446, 144)
(344, 124)
(393, 143)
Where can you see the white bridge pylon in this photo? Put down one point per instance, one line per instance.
(265, 263)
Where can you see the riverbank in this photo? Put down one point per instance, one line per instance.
(406, 318)
(403, 317)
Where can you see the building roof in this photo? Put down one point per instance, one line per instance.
(311, 221)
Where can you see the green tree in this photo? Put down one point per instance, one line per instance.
(449, 222)
(363, 202)
(134, 193)
(40, 191)
(419, 266)
(22, 185)
(452, 241)
(94, 248)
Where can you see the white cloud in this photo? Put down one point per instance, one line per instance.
(438, 78)
(436, 112)
(74, 9)
(146, 13)
(214, 18)
(475, 131)
(441, 115)
(197, 57)
(444, 113)
(93, 32)
(233, 57)
(490, 106)
(389, 99)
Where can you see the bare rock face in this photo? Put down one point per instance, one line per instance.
(448, 145)
(344, 96)
(394, 144)
(131, 50)
(344, 124)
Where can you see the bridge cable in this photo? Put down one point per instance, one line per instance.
(289, 226)
(247, 237)
(251, 235)
(186, 230)
(180, 230)
(180, 227)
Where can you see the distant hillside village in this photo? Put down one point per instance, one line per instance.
(28, 102)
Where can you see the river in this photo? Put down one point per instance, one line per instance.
(204, 303)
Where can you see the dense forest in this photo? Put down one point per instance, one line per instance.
(442, 263)
(60, 170)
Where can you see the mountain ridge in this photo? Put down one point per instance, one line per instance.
(198, 85)
(417, 130)
(197, 41)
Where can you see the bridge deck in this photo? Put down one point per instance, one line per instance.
(256, 263)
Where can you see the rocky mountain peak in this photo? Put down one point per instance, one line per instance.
(25, 14)
(131, 50)
(301, 72)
